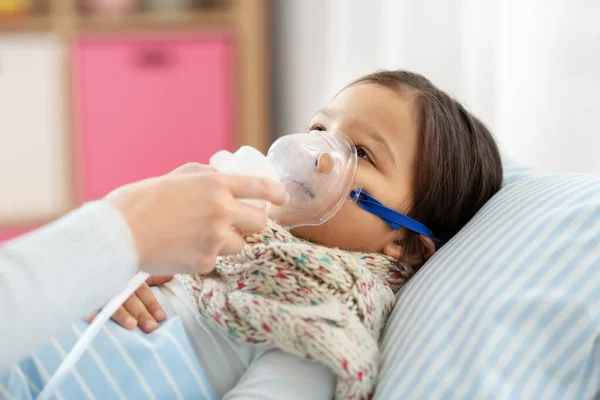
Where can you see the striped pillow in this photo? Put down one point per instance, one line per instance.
(510, 308)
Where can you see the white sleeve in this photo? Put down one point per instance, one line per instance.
(59, 273)
(278, 375)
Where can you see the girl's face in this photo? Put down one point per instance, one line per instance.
(382, 126)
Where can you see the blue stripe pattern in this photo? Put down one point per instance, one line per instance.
(510, 308)
(120, 364)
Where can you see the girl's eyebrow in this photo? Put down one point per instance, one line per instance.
(328, 112)
(368, 129)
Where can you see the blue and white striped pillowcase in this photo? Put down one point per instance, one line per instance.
(120, 364)
(510, 308)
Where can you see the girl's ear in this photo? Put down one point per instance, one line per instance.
(416, 255)
(393, 249)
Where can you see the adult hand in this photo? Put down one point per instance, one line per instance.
(183, 220)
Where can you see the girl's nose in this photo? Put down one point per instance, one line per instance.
(325, 163)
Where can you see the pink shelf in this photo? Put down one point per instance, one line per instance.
(148, 105)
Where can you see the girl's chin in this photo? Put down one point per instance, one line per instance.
(310, 233)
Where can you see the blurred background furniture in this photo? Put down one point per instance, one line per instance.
(98, 93)
(95, 93)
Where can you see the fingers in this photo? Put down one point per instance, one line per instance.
(124, 318)
(249, 187)
(156, 280)
(190, 168)
(233, 244)
(252, 187)
(141, 308)
(144, 293)
(138, 311)
(90, 318)
(248, 219)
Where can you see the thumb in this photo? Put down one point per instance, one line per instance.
(155, 280)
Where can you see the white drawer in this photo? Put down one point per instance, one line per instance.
(34, 151)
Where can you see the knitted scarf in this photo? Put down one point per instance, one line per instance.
(312, 301)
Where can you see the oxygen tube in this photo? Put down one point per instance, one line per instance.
(90, 333)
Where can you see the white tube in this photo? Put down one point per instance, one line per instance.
(88, 336)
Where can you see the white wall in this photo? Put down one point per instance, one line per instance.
(530, 69)
(300, 62)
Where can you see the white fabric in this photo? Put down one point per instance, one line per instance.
(527, 68)
(239, 371)
(53, 276)
(510, 307)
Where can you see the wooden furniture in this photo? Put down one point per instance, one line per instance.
(90, 102)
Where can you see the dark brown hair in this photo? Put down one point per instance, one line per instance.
(460, 166)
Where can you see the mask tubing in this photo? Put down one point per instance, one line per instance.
(88, 336)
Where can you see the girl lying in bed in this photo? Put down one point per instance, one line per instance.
(297, 315)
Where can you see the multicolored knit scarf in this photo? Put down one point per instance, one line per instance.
(313, 301)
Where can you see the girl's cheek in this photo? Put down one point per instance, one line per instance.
(359, 178)
(365, 180)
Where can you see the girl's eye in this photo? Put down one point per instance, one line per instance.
(360, 152)
(316, 127)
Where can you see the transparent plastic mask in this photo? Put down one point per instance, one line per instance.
(318, 170)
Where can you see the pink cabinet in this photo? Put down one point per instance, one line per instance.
(146, 106)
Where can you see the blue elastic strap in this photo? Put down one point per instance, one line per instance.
(394, 218)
